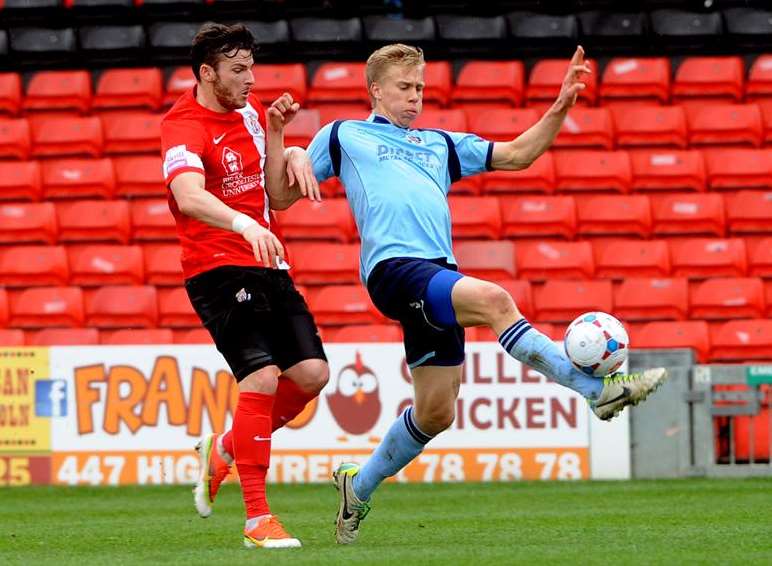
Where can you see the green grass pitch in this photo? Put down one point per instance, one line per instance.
(638, 522)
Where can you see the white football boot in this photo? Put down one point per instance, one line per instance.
(621, 390)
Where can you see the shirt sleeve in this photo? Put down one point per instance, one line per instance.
(474, 153)
(319, 152)
(182, 146)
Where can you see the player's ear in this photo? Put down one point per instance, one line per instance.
(375, 91)
(206, 72)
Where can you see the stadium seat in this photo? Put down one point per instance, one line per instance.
(475, 218)
(11, 337)
(20, 180)
(63, 337)
(681, 28)
(339, 82)
(636, 79)
(111, 44)
(148, 336)
(139, 176)
(727, 124)
(490, 81)
(521, 293)
(15, 138)
(10, 93)
(452, 119)
(271, 81)
(47, 307)
(131, 132)
(595, 171)
(162, 264)
(701, 258)
(28, 222)
(40, 45)
(554, 260)
(169, 40)
(358, 333)
(749, 212)
(648, 126)
(486, 260)
(765, 105)
(638, 298)
(129, 88)
(693, 214)
(33, 266)
(328, 113)
(617, 259)
(547, 77)
(719, 79)
(617, 215)
(538, 178)
(330, 219)
(563, 301)
(470, 186)
(179, 82)
(175, 310)
(742, 340)
(538, 216)
(675, 334)
(502, 124)
(151, 219)
(722, 298)
(61, 136)
(3, 307)
(340, 305)
(590, 128)
(302, 129)
(93, 221)
(438, 76)
(105, 265)
(733, 169)
(664, 170)
(122, 306)
(59, 90)
(324, 264)
(192, 336)
(760, 259)
(759, 85)
(527, 29)
(78, 178)
(326, 37)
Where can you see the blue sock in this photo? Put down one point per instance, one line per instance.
(400, 446)
(531, 347)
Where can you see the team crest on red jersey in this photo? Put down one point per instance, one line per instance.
(252, 123)
(231, 161)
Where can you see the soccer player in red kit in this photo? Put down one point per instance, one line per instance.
(226, 166)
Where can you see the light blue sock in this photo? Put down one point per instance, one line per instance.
(531, 347)
(400, 446)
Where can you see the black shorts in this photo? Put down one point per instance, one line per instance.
(256, 317)
(397, 288)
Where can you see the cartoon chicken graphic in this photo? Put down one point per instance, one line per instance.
(355, 404)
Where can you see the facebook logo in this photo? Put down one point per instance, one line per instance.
(51, 398)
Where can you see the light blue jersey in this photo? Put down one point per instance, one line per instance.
(397, 183)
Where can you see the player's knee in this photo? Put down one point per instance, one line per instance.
(497, 303)
(436, 419)
(312, 375)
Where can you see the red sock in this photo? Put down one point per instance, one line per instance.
(227, 443)
(252, 443)
(290, 401)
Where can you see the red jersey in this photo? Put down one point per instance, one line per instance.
(229, 150)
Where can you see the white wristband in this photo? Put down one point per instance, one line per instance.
(241, 222)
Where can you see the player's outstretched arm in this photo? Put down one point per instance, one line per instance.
(523, 150)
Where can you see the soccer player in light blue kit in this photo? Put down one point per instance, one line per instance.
(397, 180)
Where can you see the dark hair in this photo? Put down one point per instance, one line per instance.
(215, 40)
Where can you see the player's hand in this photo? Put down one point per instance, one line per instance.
(300, 171)
(282, 112)
(265, 245)
(573, 84)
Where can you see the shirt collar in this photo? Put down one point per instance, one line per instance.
(380, 119)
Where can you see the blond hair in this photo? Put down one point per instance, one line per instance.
(388, 55)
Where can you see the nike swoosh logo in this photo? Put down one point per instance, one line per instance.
(346, 514)
(625, 393)
(259, 438)
(218, 140)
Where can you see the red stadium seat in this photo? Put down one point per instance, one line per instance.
(48, 307)
(33, 266)
(129, 88)
(29, 222)
(63, 337)
(180, 81)
(271, 81)
(768, 297)
(759, 85)
(742, 340)
(502, 124)
(133, 132)
(490, 81)
(614, 215)
(563, 301)
(192, 336)
(10, 93)
(668, 170)
(541, 216)
(671, 334)
(162, 264)
(302, 129)
(339, 82)
(471, 186)
(486, 260)
(93, 221)
(15, 138)
(521, 293)
(11, 337)
(327, 220)
(151, 219)
(475, 217)
(593, 171)
(323, 264)
(646, 126)
(749, 211)
(652, 299)
(78, 178)
(63, 136)
(438, 76)
(175, 310)
(139, 176)
(738, 168)
(719, 298)
(452, 120)
(105, 265)
(538, 178)
(59, 90)
(368, 333)
(765, 106)
(20, 180)
(636, 79)
(137, 336)
(760, 259)
(618, 259)
(708, 257)
(332, 188)
(554, 260)
(590, 128)
(122, 306)
(736, 124)
(330, 112)
(547, 77)
(709, 78)
(3, 307)
(693, 214)
(339, 305)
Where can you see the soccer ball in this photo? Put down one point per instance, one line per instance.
(596, 343)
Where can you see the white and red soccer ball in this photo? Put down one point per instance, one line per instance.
(596, 343)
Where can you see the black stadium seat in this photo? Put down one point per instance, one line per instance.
(385, 29)
(539, 30)
(42, 46)
(171, 41)
(748, 27)
(111, 43)
(677, 28)
(326, 37)
(613, 28)
(472, 35)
